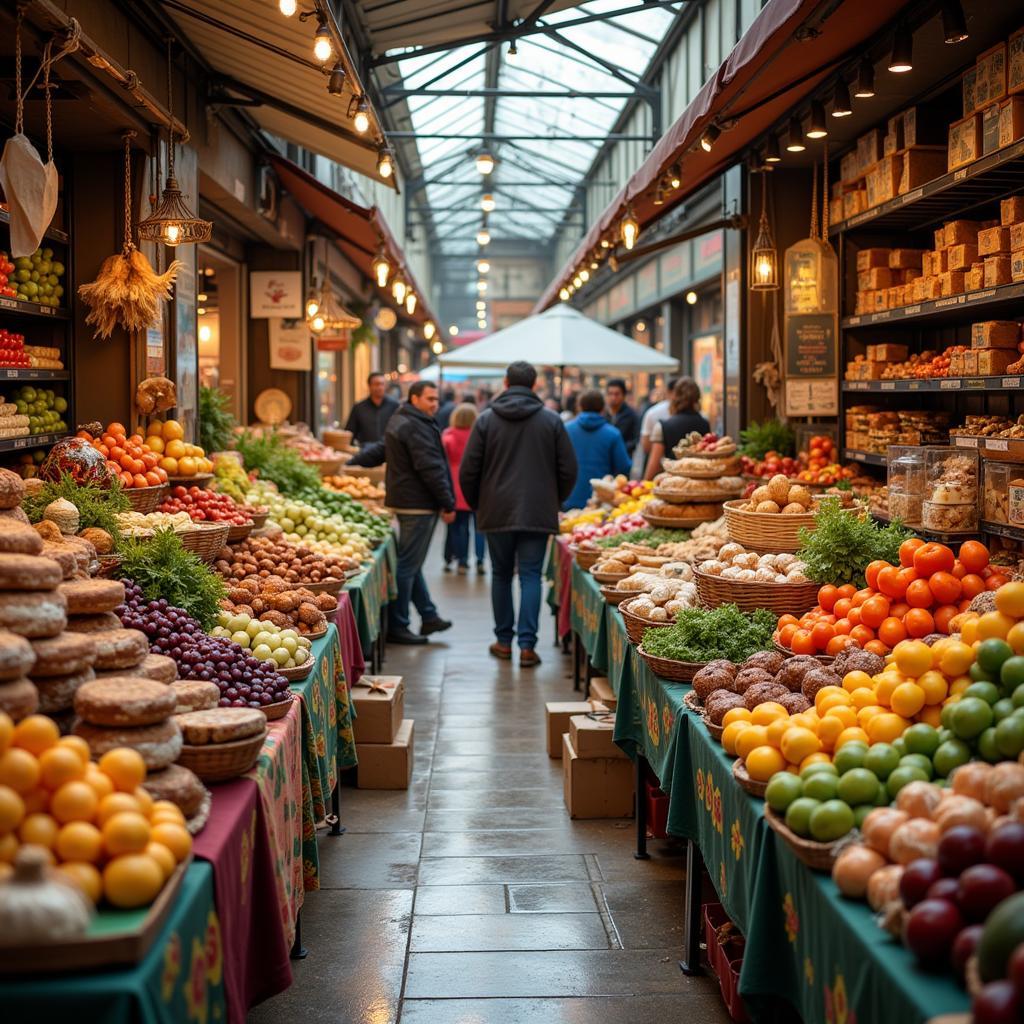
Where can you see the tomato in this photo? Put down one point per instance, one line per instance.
(138, 467)
(117, 453)
(862, 634)
(892, 631)
(972, 585)
(899, 609)
(822, 634)
(139, 480)
(959, 570)
(974, 555)
(842, 606)
(162, 473)
(919, 595)
(931, 558)
(802, 642)
(149, 460)
(872, 571)
(152, 480)
(943, 615)
(836, 644)
(126, 479)
(945, 586)
(784, 620)
(919, 622)
(861, 596)
(907, 550)
(891, 583)
(136, 439)
(843, 627)
(116, 428)
(995, 581)
(847, 590)
(853, 616)
(877, 647)
(874, 611)
(827, 596)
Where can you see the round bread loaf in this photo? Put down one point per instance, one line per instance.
(28, 572)
(178, 784)
(158, 744)
(63, 655)
(93, 623)
(119, 648)
(15, 515)
(220, 725)
(16, 656)
(19, 698)
(158, 667)
(18, 539)
(63, 556)
(33, 615)
(195, 695)
(57, 693)
(124, 700)
(12, 489)
(89, 597)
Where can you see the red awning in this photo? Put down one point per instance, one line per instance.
(768, 72)
(360, 231)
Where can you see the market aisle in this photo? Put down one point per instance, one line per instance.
(472, 897)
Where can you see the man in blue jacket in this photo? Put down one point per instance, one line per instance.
(599, 447)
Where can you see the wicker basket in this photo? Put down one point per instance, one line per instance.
(725, 454)
(217, 762)
(675, 522)
(299, 672)
(279, 708)
(146, 499)
(259, 519)
(328, 586)
(318, 635)
(749, 595)
(671, 467)
(690, 497)
(109, 566)
(205, 540)
(607, 577)
(817, 856)
(715, 731)
(616, 597)
(200, 480)
(326, 467)
(239, 533)
(765, 532)
(667, 668)
(752, 786)
(636, 625)
(585, 557)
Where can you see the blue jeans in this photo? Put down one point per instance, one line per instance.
(519, 551)
(414, 533)
(456, 544)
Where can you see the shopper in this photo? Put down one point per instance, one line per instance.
(456, 544)
(569, 412)
(685, 417)
(444, 414)
(369, 418)
(598, 446)
(621, 414)
(418, 486)
(658, 412)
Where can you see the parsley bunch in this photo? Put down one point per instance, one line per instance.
(702, 634)
(645, 535)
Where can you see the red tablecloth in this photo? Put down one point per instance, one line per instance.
(348, 635)
(563, 584)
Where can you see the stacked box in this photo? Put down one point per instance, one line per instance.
(557, 715)
(384, 739)
(596, 787)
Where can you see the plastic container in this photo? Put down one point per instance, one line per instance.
(1003, 481)
(657, 810)
(948, 518)
(951, 476)
(906, 482)
(725, 948)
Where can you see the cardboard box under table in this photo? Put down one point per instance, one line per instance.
(557, 715)
(379, 702)
(597, 787)
(591, 735)
(387, 765)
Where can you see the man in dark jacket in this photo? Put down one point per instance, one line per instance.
(448, 403)
(517, 469)
(621, 414)
(369, 418)
(418, 486)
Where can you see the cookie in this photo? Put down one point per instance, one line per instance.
(28, 572)
(124, 700)
(16, 656)
(178, 784)
(221, 725)
(33, 614)
(89, 597)
(93, 623)
(119, 648)
(159, 744)
(18, 539)
(63, 556)
(63, 655)
(57, 693)
(195, 695)
(19, 698)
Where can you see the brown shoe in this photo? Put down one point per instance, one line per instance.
(501, 651)
(528, 659)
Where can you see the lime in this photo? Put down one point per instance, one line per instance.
(798, 815)
(921, 738)
(819, 766)
(899, 746)
(901, 776)
(919, 761)
(882, 799)
(1012, 672)
(1010, 736)
(971, 717)
(850, 755)
(946, 715)
(1018, 696)
(1002, 708)
(984, 690)
(863, 810)
(783, 788)
(821, 786)
(979, 674)
(951, 754)
(881, 759)
(991, 654)
(858, 786)
(944, 734)
(832, 820)
(987, 748)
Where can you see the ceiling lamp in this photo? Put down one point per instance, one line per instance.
(512, 54)
(487, 203)
(841, 105)
(410, 302)
(710, 137)
(385, 166)
(954, 25)
(675, 176)
(287, 7)
(771, 151)
(764, 257)
(399, 288)
(865, 87)
(902, 58)
(361, 118)
(484, 163)
(429, 330)
(381, 268)
(483, 237)
(629, 228)
(322, 48)
(483, 267)
(819, 126)
(796, 136)
(563, 294)
(336, 83)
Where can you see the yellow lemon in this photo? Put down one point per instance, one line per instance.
(907, 699)
(935, 687)
(995, 624)
(798, 742)
(763, 762)
(913, 657)
(849, 735)
(886, 727)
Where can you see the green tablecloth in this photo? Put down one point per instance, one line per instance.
(179, 981)
(805, 942)
(373, 588)
(588, 617)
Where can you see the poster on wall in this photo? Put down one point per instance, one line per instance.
(812, 397)
(275, 293)
(291, 347)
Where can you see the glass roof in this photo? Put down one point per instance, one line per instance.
(535, 178)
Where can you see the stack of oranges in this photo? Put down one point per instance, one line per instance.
(128, 457)
(100, 827)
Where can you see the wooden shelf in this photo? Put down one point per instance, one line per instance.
(17, 444)
(979, 305)
(51, 234)
(33, 309)
(999, 383)
(937, 535)
(868, 458)
(28, 373)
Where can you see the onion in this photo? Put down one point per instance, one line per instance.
(879, 825)
(961, 810)
(969, 779)
(853, 869)
(916, 838)
(919, 799)
(884, 886)
(1005, 783)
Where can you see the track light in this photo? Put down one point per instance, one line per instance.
(865, 87)
(771, 151)
(512, 54)
(796, 136)
(710, 137)
(902, 58)
(954, 25)
(336, 83)
(322, 48)
(841, 105)
(385, 166)
(675, 176)
(818, 128)
(361, 120)
(484, 163)
(483, 237)
(287, 7)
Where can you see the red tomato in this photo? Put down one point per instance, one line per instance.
(908, 549)
(822, 633)
(847, 590)
(827, 596)
(891, 583)
(919, 622)
(803, 642)
(919, 595)
(972, 585)
(861, 596)
(945, 586)
(872, 571)
(995, 581)
(874, 611)
(974, 555)
(843, 627)
(931, 558)
(959, 569)
(899, 609)
(862, 634)
(853, 617)
(943, 615)
(842, 606)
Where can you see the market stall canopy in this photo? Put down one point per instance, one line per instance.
(361, 231)
(265, 60)
(790, 48)
(561, 336)
(434, 372)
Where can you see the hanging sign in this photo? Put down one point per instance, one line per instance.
(810, 345)
(275, 293)
(290, 345)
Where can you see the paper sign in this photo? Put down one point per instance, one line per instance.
(275, 293)
(291, 347)
(812, 397)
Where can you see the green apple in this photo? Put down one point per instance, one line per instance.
(280, 655)
(263, 652)
(241, 637)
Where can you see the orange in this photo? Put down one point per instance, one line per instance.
(776, 730)
(157, 817)
(98, 782)
(59, 765)
(843, 713)
(1010, 600)
(849, 735)
(958, 685)
(832, 700)
(85, 876)
(956, 657)
(8, 847)
(36, 733)
(6, 731)
(763, 762)
(863, 697)
(798, 742)
(886, 727)
(729, 736)
(994, 624)
(78, 745)
(145, 800)
(732, 715)
(125, 832)
(167, 807)
(19, 770)
(919, 622)
(805, 720)
(886, 686)
(931, 715)
(36, 800)
(768, 712)
(132, 880)
(174, 837)
(12, 810)
(855, 680)
(935, 687)
(866, 713)
(171, 430)
(829, 730)
(74, 801)
(163, 856)
(751, 737)
(913, 657)
(1015, 638)
(819, 758)
(40, 830)
(80, 840)
(115, 804)
(125, 767)
(907, 699)
(828, 691)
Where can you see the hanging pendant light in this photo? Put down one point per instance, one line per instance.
(385, 164)
(483, 237)
(429, 330)
(381, 268)
(359, 111)
(796, 136)
(322, 46)
(818, 128)
(954, 25)
(629, 228)
(410, 302)
(287, 7)
(336, 83)
(171, 221)
(841, 105)
(902, 58)
(484, 162)
(865, 87)
(331, 314)
(771, 151)
(312, 301)
(487, 203)
(483, 266)
(764, 257)
(399, 288)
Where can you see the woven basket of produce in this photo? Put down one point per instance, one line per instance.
(585, 557)
(637, 625)
(280, 707)
(216, 762)
(239, 533)
(693, 702)
(752, 786)
(259, 519)
(205, 540)
(200, 480)
(682, 522)
(146, 499)
(765, 532)
(691, 495)
(817, 856)
(825, 659)
(299, 672)
(749, 595)
(329, 586)
(668, 668)
(325, 467)
(109, 567)
(318, 635)
(613, 596)
(607, 577)
(701, 469)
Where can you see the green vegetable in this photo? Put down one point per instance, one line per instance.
(368, 523)
(216, 424)
(97, 506)
(771, 436)
(844, 543)
(645, 535)
(700, 634)
(269, 456)
(163, 568)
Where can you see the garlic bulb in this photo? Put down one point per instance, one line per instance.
(36, 908)
(64, 514)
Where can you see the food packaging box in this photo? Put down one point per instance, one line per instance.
(870, 148)
(940, 260)
(883, 180)
(997, 271)
(600, 689)
(597, 787)
(893, 140)
(995, 334)
(849, 170)
(1015, 62)
(835, 210)
(591, 736)
(1017, 265)
(940, 236)
(1011, 211)
(962, 257)
(991, 85)
(951, 283)
(888, 352)
(964, 142)
(970, 90)
(855, 201)
(379, 702)
(557, 715)
(922, 164)
(1011, 120)
(879, 299)
(1016, 237)
(890, 143)
(868, 258)
(990, 129)
(387, 765)
(959, 231)
(905, 259)
(993, 241)
(974, 279)
(992, 361)
(876, 277)
(970, 366)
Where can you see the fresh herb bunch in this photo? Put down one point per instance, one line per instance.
(645, 535)
(700, 634)
(164, 568)
(275, 461)
(216, 424)
(844, 543)
(97, 506)
(771, 436)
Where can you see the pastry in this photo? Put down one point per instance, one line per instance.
(158, 744)
(28, 572)
(17, 538)
(119, 648)
(93, 623)
(19, 698)
(221, 725)
(88, 597)
(63, 655)
(16, 656)
(57, 693)
(33, 614)
(178, 784)
(195, 695)
(124, 700)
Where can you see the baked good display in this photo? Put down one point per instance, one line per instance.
(33, 614)
(16, 656)
(62, 655)
(28, 572)
(780, 496)
(93, 623)
(89, 597)
(158, 667)
(57, 693)
(124, 700)
(17, 538)
(195, 695)
(220, 725)
(119, 648)
(179, 785)
(159, 745)
(64, 556)
(19, 698)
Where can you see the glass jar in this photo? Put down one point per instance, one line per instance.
(951, 476)
(906, 482)
(1003, 499)
(943, 517)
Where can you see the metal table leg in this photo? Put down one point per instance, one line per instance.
(690, 964)
(298, 951)
(575, 660)
(334, 818)
(641, 808)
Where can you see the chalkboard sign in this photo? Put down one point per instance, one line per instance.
(811, 345)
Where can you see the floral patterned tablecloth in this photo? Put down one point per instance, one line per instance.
(373, 588)
(558, 572)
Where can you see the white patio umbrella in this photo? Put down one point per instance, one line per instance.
(561, 336)
(433, 373)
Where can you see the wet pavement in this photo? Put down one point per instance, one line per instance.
(472, 898)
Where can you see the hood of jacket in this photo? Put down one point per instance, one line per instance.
(591, 420)
(517, 403)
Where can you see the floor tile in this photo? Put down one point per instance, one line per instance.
(370, 861)
(508, 932)
(566, 897)
(449, 900)
(470, 870)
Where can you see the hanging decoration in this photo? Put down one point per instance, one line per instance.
(331, 316)
(764, 257)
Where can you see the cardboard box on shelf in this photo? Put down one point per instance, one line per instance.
(599, 787)
(869, 148)
(997, 271)
(922, 164)
(883, 180)
(970, 363)
(1016, 237)
(991, 75)
(1015, 62)
(905, 259)
(961, 257)
(951, 283)
(995, 334)
(970, 90)
(993, 361)
(1011, 120)
(974, 279)
(591, 736)
(887, 352)
(1017, 265)
(956, 232)
(387, 765)
(379, 702)
(600, 689)
(993, 241)
(868, 258)
(876, 277)
(964, 142)
(990, 129)
(1011, 211)
(557, 715)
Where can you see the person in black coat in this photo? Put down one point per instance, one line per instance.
(684, 418)
(369, 418)
(419, 486)
(621, 414)
(517, 469)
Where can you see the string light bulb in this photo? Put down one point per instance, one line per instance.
(410, 302)
(483, 267)
(487, 203)
(563, 294)
(438, 347)
(902, 58)
(322, 47)
(584, 276)
(287, 7)
(691, 298)
(577, 281)
(381, 268)
(336, 83)
(361, 120)
(317, 324)
(385, 166)
(483, 237)
(629, 228)
(429, 329)
(675, 176)
(312, 303)
(481, 287)
(484, 163)
(398, 289)
(710, 137)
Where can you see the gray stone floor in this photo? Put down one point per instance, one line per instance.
(472, 898)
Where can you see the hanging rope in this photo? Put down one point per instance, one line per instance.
(814, 201)
(19, 117)
(170, 114)
(825, 198)
(129, 244)
(72, 41)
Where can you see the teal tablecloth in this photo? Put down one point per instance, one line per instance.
(373, 588)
